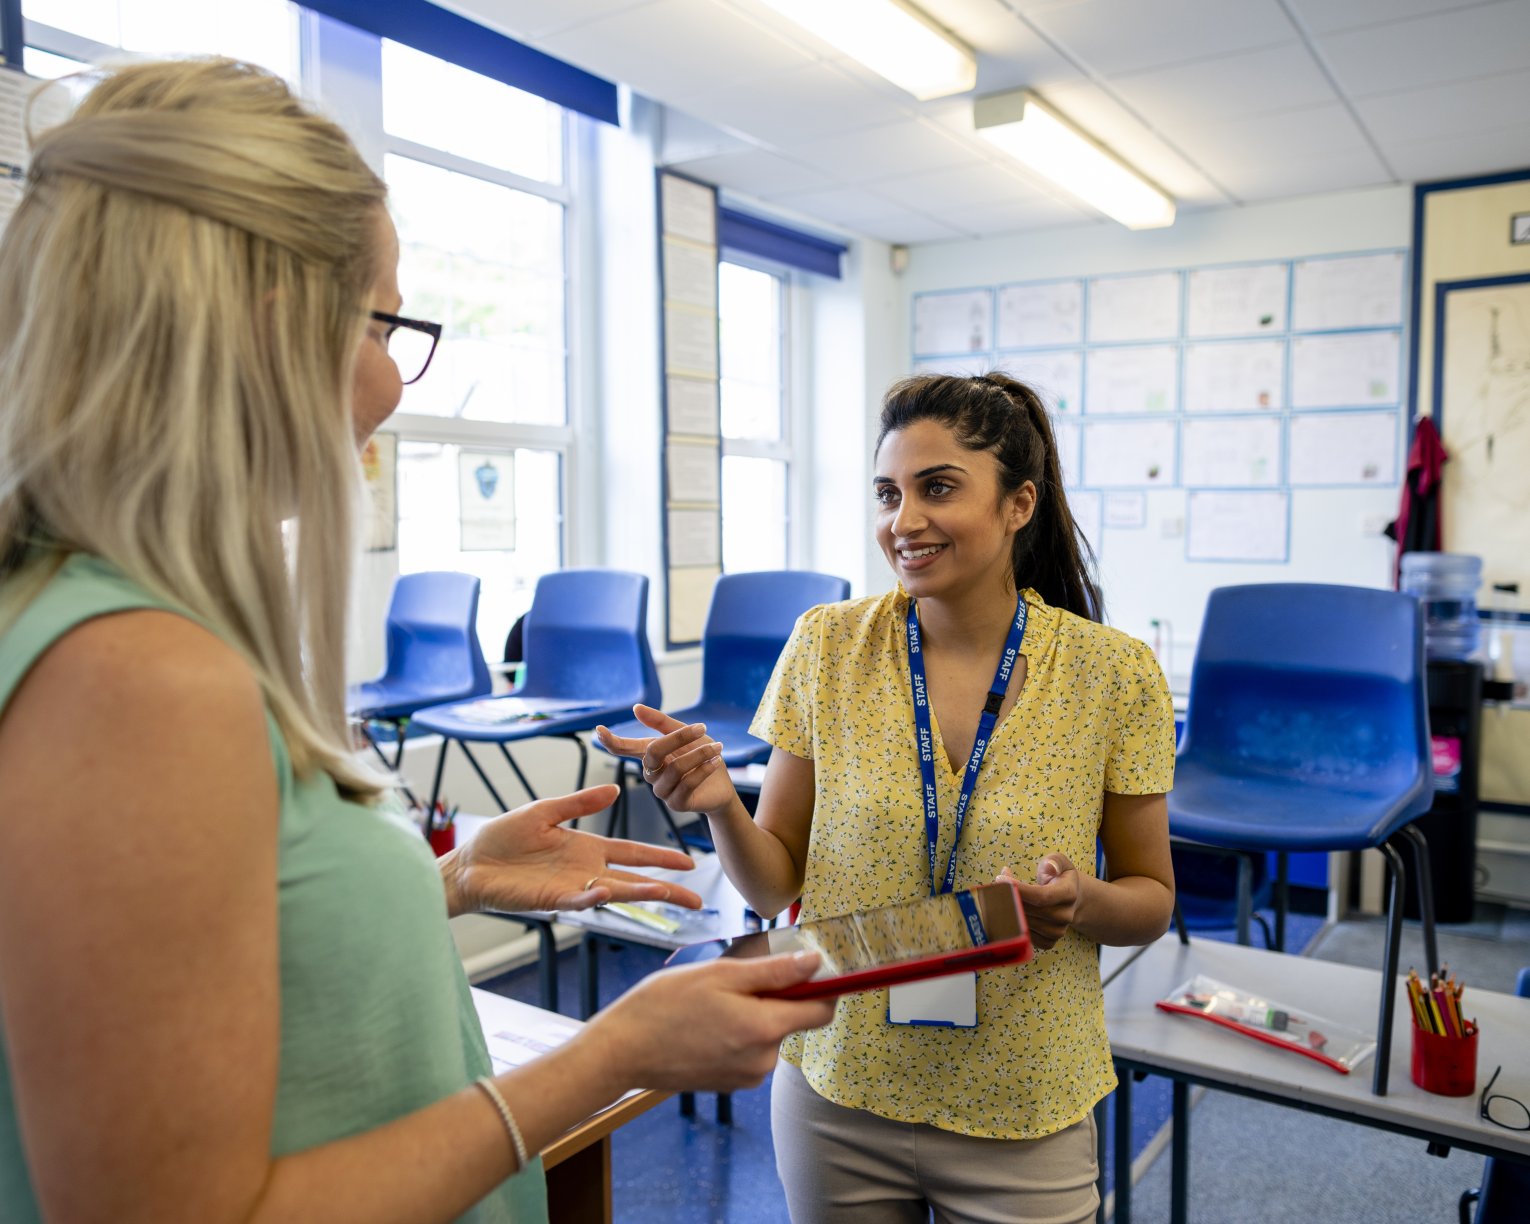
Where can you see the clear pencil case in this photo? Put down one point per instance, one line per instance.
(1326, 1041)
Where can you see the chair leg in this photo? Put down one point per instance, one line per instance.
(1282, 897)
(435, 786)
(1179, 923)
(1425, 886)
(483, 777)
(1245, 895)
(584, 759)
(519, 776)
(1464, 1206)
(1393, 950)
(618, 815)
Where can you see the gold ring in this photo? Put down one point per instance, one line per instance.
(589, 884)
(651, 775)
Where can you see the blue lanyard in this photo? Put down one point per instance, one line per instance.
(980, 746)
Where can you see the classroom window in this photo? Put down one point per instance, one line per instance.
(756, 465)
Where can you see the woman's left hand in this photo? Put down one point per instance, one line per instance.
(1051, 903)
(525, 860)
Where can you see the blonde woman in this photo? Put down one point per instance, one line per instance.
(227, 988)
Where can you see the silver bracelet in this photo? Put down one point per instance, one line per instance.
(491, 1090)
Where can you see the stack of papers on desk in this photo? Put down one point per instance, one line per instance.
(495, 711)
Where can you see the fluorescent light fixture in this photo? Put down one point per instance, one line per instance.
(1031, 132)
(893, 39)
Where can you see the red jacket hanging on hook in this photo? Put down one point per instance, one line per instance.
(1417, 527)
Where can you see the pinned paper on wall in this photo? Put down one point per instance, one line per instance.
(1216, 452)
(1235, 376)
(690, 273)
(1345, 448)
(25, 102)
(1042, 313)
(1241, 301)
(692, 406)
(379, 471)
(695, 538)
(1134, 307)
(689, 209)
(1056, 375)
(486, 491)
(690, 341)
(964, 365)
(1087, 506)
(694, 473)
(1125, 510)
(1068, 452)
(1349, 370)
(1130, 454)
(959, 322)
(690, 595)
(1347, 291)
(1228, 526)
(1132, 379)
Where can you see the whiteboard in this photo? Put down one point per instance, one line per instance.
(1136, 379)
(1344, 448)
(1068, 452)
(1252, 526)
(1235, 376)
(1134, 307)
(1242, 301)
(1352, 370)
(1222, 452)
(959, 322)
(1042, 313)
(1347, 291)
(1057, 376)
(1130, 454)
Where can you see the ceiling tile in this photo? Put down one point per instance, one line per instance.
(1446, 111)
(671, 48)
(1455, 46)
(1009, 218)
(1278, 179)
(850, 206)
(1326, 16)
(975, 185)
(795, 107)
(1248, 83)
(756, 172)
(1461, 154)
(889, 149)
(915, 228)
(537, 18)
(1316, 131)
(1113, 36)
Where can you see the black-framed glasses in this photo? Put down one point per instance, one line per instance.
(1505, 1111)
(411, 343)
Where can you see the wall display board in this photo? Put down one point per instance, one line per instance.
(1238, 526)
(379, 471)
(1247, 385)
(1044, 314)
(1235, 376)
(24, 101)
(1218, 452)
(1088, 508)
(1125, 308)
(1247, 300)
(692, 457)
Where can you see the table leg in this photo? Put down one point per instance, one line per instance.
(1121, 1169)
(1282, 897)
(1179, 1192)
(724, 1109)
(547, 966)
(589, 975)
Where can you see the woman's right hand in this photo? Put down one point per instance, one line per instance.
(705, 1027)
(682, 763)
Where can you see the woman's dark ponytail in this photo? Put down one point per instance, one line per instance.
(1005, 417)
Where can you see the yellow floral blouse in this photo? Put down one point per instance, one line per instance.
(1094, 716)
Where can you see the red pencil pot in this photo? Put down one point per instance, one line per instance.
(1446, 1066)
(443, 839)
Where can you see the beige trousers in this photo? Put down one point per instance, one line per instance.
(847, 1166)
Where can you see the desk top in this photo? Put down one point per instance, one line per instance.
(1140, 1032)
(517, 1033)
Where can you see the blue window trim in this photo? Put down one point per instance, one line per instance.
(479, 49)
(743, 234)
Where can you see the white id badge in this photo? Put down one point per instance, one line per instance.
(943, 1002)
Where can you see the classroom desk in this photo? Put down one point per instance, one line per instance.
(1144, 1039)
(578, 1162)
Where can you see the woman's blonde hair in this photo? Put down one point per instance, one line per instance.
(182, 292)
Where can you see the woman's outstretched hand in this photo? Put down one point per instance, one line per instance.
(682, 763)
(1051, 903)
(526, 860)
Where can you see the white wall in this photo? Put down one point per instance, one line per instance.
(1334, 535)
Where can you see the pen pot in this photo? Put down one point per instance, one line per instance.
(1446, 1066)
(443, 838)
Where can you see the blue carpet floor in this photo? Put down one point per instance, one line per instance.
(666, 1167)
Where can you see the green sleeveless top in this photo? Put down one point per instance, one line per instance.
(376, 1018)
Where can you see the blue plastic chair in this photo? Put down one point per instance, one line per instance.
(587, 662)
(1505, 1188)
(748, 622)
(1308, 730)
(433, 654)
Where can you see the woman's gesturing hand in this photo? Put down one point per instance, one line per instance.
(1051, 903)
(526, 860)
(682, 763)
(704, 1027)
